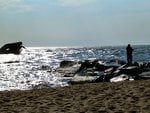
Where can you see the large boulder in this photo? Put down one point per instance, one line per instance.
(11, 48)
(65, 63)
(130, 70)
(68, 68)
(144, 75)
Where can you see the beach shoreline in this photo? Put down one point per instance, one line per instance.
(128, 96)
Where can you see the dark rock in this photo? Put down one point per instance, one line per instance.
(68, 68)
(49, 50)
(14, 48)
(145, 75)
(87, 64)
(100, 79)
(131, 70)
(46, 67)
(104, 78)
(79, 82)
(122, 66)
(101, 67)
(107, 77)
(12, 62)
(65, 63)
(109, 70)
(148, 65)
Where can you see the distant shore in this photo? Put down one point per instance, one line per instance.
(128, 96)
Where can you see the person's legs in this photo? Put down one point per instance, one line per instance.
(131, 60)
(128, 60)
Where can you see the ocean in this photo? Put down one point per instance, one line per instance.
(36, 65)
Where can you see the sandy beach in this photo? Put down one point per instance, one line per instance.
(122, 97)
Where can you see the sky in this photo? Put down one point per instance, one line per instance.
(75, 22)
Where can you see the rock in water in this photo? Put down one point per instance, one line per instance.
(14, 48)
(67, 63)
(68, 68)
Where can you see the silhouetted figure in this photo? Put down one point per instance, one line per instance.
(129, 51)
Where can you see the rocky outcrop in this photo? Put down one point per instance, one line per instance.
(68, 68)
(11, 48)
(98, 71)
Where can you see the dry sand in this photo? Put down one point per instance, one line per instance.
(122, 97)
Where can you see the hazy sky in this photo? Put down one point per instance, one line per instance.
(75, 22)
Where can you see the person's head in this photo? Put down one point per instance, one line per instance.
(129, 45)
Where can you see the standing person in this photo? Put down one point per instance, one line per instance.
(129, 51)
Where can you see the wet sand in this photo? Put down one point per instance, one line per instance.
(122, 97)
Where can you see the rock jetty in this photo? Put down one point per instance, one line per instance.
(103, 71)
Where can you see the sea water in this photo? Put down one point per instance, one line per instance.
(35, 65)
